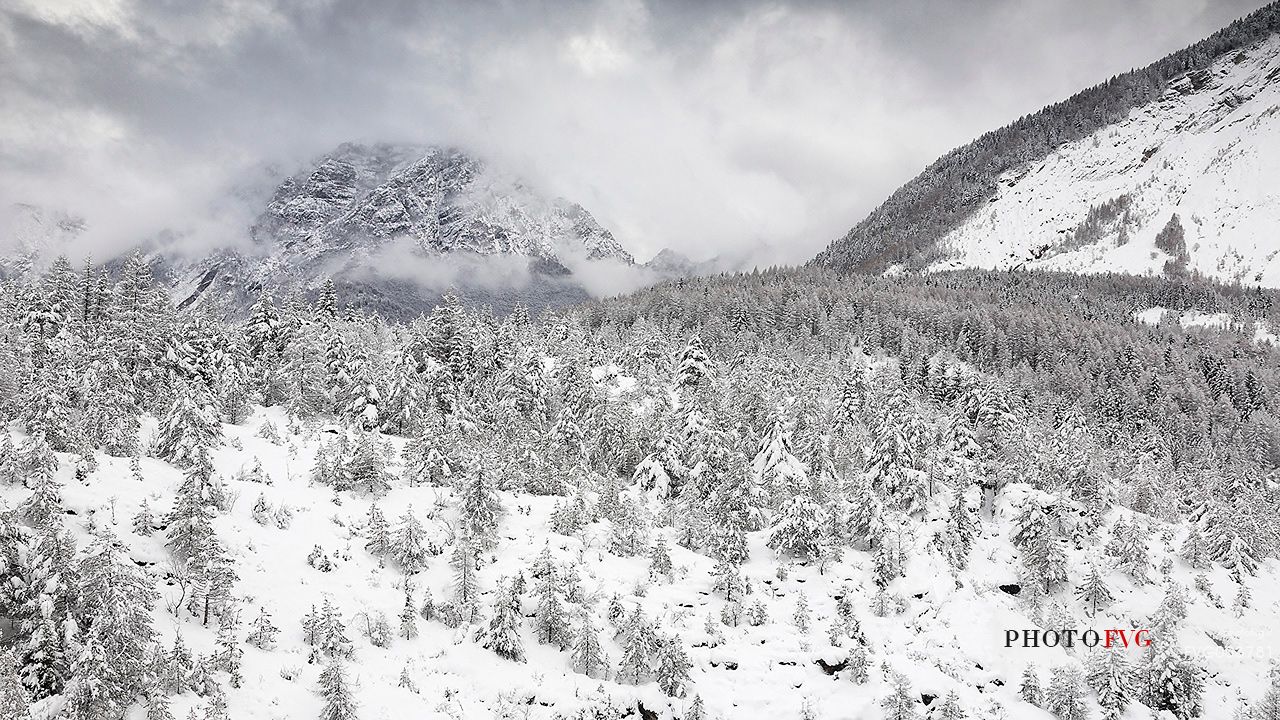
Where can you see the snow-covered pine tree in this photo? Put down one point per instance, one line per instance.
(1093, 593)
(425, 462)
(212, 576)
(229, 652)
(466, 589)
(190, 426)
(376, 532)
(1172, 680)
(331, 631)
(1195, 549)
(801, 617)
(639, 647)
(14, 700)
(693, 367)
(1043, 556)
(896, 460)
(951, 709)
(335, 688)
(409, 545)
(1029, 690)
(900, 703)
(1128, 546)
(1243, 600)
(550, 621)
(587, 656)
(44, 503)
(1109, 676)
(263, 632)
(1235, 553)
(962, 529)
(143, 522)
(189, 526)
(1066, 695)
(115, 609)
(660, 560)
(696, 711)
(365, 469)
(778, 472)
(801, 531)
(857, 663)
(481, 509)
(673, 667)
(503, 634)
(408, 616)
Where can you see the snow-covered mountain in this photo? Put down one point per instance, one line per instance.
(360, 196)
(392, 225)
(1167, 169)
(1206, 153)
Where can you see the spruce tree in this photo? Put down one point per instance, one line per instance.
(951, 709)
(1065, 696)
(801, 615)
(376, 532)
(962, 529)
(190, 426)
(639, 648)
(801, 531)
(503, 634)
(14, 700)
(660, 560)
(335, 688)
(481, 509)
(1195, 549)
(1109, 676)
(900, 703)
(1029, 690)
(466, 588)
(143, 521)
(673, 667)
(263, 632)
(115, 607)
(408, 616)
(1093, 592)
(587, 656)
(550, 621)
(409, 546)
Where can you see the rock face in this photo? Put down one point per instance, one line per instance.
(441, 199)
(1165, 169)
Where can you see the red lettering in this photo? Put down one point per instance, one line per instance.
(1140, 640)
(1111, 633)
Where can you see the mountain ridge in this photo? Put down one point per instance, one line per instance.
(905, 229)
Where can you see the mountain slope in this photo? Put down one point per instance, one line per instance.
(1195, 126)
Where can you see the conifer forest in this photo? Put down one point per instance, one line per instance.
(335, 383)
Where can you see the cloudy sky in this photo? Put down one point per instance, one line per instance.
(704, 126)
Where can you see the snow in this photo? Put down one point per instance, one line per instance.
(1150, 316)
(1259, 331)
(951, 636)
(1207, 154)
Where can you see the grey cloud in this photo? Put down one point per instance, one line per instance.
(704, 126)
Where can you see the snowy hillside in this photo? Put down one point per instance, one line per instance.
(948, 635)
(743, 509)
(1093, 183)
(1205, 152)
